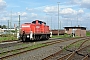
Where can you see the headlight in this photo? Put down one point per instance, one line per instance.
(27, 36)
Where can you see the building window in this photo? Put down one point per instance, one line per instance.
(67, 29)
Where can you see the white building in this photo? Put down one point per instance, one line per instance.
(5, 30)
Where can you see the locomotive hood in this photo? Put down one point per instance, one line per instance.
(26, 28)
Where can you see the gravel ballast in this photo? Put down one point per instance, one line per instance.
(41, 53)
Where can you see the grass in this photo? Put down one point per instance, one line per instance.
(36, 46)
(87, 33)
(61, 36)
(7, 38)
(76, 45)
(3, 54)
(29, 48)
(89, 50)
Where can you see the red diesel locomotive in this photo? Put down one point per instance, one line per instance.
(36, 30)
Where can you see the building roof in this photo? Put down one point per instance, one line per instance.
(76, 27)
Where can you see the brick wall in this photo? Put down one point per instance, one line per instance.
(78, 31)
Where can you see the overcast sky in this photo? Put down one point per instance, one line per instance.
(72, 12)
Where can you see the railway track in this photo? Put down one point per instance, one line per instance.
(76, 50)
(9, 44)
(13, 43)
(26, 49)
(10, 53)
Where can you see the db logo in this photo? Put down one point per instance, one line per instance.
(37, 26)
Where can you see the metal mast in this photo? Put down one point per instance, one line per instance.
(58, 17)
(19, 23)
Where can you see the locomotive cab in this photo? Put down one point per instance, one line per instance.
(38, 22)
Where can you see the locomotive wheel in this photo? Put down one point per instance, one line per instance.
(47, 37)
(35, 38)
(24, 38)
(38, 37)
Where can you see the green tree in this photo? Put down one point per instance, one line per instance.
(4, 26)
(0, 26)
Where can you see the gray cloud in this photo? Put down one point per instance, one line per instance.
(85, 4)
(81, 3)
(2, 5)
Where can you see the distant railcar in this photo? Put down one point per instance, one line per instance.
(37, 30)
(55, 32)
